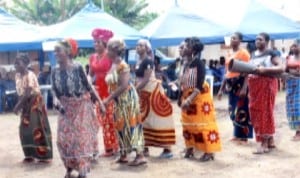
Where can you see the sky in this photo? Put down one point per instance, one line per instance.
(289, 8)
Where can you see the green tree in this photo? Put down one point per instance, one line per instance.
(45, 12)
(130, 12)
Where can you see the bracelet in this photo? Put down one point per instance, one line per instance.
(188, 100)
(196, 90)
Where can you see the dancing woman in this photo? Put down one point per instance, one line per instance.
(35, 132)
(156, 109)
(77, 123)
(99, 67)
(198, 114)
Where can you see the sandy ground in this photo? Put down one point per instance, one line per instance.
(234, 160)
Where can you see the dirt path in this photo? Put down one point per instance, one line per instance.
(234, 161)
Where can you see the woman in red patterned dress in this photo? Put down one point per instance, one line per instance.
(99, 66)
(263, 88)
(77, 122)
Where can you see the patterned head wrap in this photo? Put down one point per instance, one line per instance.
(102, 34)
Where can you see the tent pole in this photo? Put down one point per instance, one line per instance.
(176, 3)
(102, 5)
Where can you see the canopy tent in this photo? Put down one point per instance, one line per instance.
(18, 35)
(251, 18)
(176, 24)
(258, 18)
(80, 26)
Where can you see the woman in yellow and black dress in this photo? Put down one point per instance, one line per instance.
(198, 114)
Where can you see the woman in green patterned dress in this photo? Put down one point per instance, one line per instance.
(127, 110)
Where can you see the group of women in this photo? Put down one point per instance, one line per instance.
(252, 96)
(135, 116)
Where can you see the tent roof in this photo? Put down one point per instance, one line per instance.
(176, 24)
(18, 35)
(250, 17)
(82, 23)
(258, 18)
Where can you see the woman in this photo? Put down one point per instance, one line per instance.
(77, 123)
(126, 114)
(293, 91)
(156, 109)
(198, 115)
(263, 88)
(99, 66)
(35, 133)
(236, 86)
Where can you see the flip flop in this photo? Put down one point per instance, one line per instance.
(296, 138)
(47, 161)
(260, 151)
(28, 160)
(137, 162)
(121, 161)
(166, 155)
(107, 154)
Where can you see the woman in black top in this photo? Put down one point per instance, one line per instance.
(198, 114)
(156, 109)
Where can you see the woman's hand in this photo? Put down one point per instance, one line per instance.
(16, 110)
(186, 103)
(219, 95)
(102, 109)
(260, 70)
(243, 92)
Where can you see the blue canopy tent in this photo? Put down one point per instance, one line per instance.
(81, 25)
(17, 35)
(251, 18)
(259, 18)
(176, 24)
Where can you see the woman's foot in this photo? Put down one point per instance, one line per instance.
(166, 154)
(138, 161)
(122, 159)
(263, 148)
(28, 160)
(81, 176)
(146, 152)
(68, 173)
(234, 139)
(108, 153)
(271, 144)
(243, 141)
(189, 153)
(207, 157)
(296, 137)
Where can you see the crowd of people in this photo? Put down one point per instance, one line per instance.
(136, 114)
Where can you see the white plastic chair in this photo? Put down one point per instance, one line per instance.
(210, 80)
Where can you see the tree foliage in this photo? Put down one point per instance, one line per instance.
(130, 12)
(47, 12)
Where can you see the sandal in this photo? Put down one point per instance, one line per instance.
(166, 155)
(47, 161)
(28, 160)
(138, 161)
(146, 152)
(264, 148)
(122, 160)
(107, 154)
(207, 157)
(189, 153)
(271, 144)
